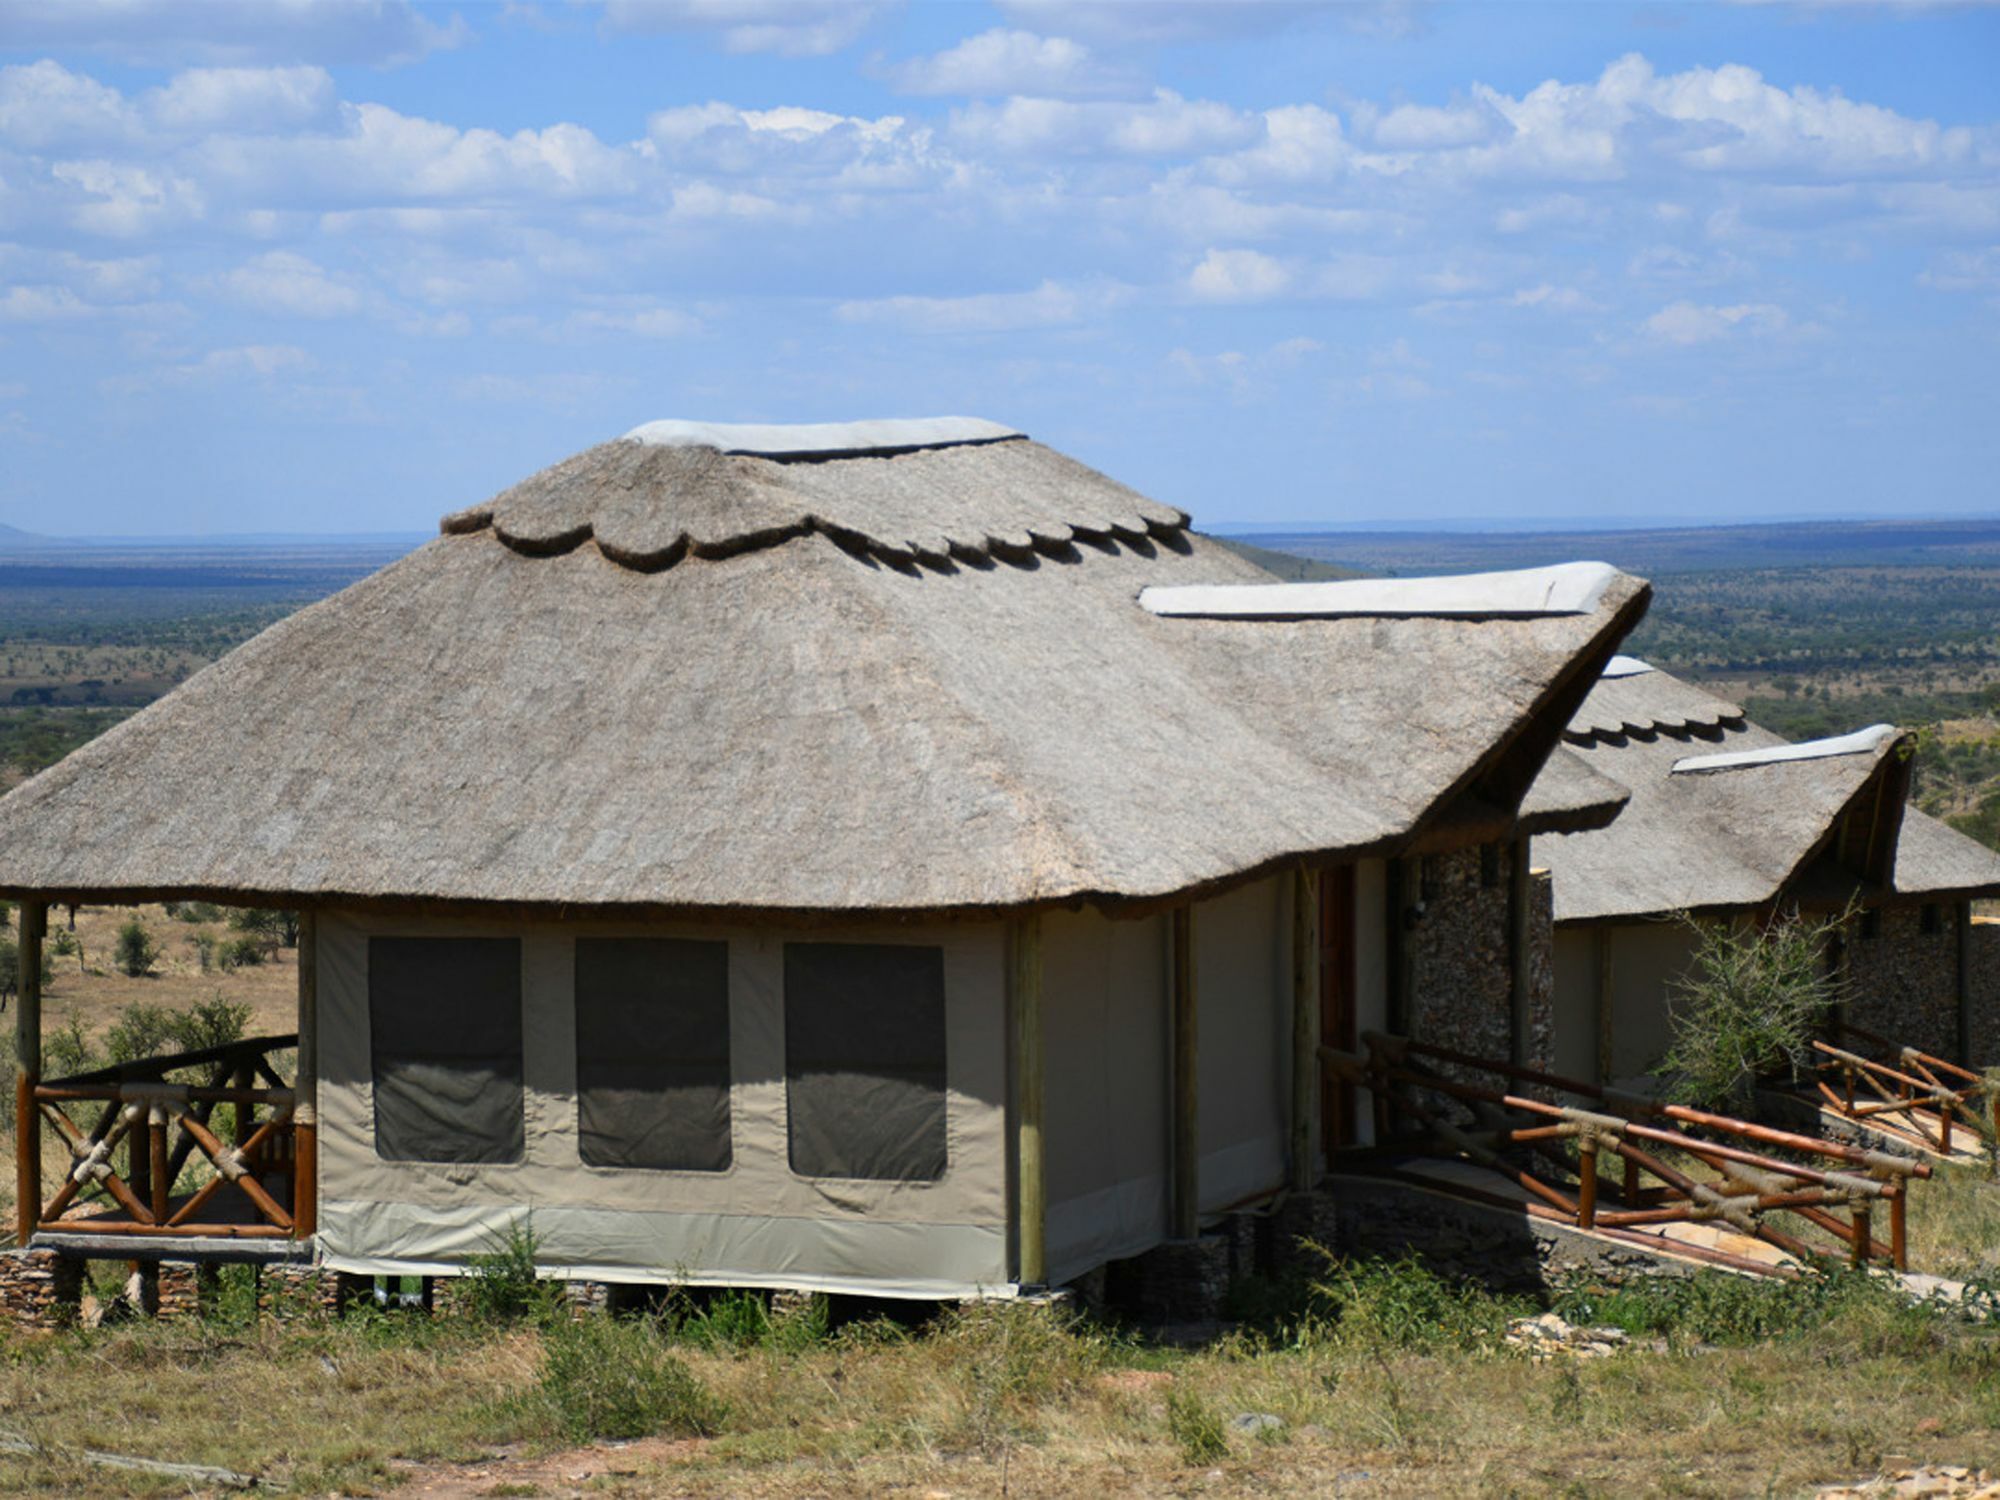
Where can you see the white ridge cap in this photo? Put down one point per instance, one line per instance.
(1861, 742)
(1566, 589)
(773, 439)
(1626, 666)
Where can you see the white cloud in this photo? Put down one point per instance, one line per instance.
(260, 363)
(1158, 22)
(1002, 61)
(289, 284)
(1165, 125)
(1687, 323)
(1420, 127)
(1964, 271)
(1238, 276)
(640, 322)
(790, 28)
(241, 98)
(122, 199)
(1049, 305)
(164, 32)
(1548, 298)
(43, 103)
(42, 304)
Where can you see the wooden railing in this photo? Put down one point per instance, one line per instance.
(1932, 1103)
(181, 1178)
(1530, 1140)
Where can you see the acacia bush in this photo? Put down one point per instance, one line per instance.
(1748, 1006)
(136, 950)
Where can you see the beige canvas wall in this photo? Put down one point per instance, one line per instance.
(1106, 1051)
(757, 1223)
(1244, 952)
(1577, 1003)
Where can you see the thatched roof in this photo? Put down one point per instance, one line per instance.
(1726, 815)
(665, 677)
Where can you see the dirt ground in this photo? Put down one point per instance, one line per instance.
(90, 988)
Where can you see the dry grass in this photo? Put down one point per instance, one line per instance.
(1008, 1400)
(91, 991)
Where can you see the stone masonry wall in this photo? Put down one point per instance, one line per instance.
(1461, 965)
(1983, 986)
(1903, 982)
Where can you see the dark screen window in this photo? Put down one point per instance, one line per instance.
(865, 1061)
(444, 1022)
(652, 1053)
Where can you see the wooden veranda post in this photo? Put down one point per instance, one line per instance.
(1186, 1207)
(305, 1109)
(1305, 1025)
(28, 1070)
(1031, 1187)
(1520, 952)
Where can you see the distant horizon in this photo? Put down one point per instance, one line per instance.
(1521, 526)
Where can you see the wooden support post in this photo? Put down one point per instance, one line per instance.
(1520, 953)
(305, 1086)
(1962, 921)
(28, 1071)
(156, 1168)
(1186, 1203)
(1305, 1025)
(1898, 1229)
(1631, 1192)
(1857, 1253)
(1031, 1185)
(1586, 1180)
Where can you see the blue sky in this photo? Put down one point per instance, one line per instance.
(347, 266)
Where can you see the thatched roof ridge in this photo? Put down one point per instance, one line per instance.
(804, 725)
(1734, 837)
(646, 505)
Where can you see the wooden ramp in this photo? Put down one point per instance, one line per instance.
(1907, 1099)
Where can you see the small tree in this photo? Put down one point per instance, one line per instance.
(136, 950)
(1749, 1005)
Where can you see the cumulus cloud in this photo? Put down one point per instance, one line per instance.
(165, 32)
(1003, 61)
(289, 284)
(1049, 305)
(241, 98)
(1687, 323)
(790, 28)
(1238, 276)
(1165, 125)
(1160, 22)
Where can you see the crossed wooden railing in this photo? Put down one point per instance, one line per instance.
(1529, 1141)
(1917, 1098)
(163, 1123)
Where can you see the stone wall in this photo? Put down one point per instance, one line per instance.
(39, 1288)
(1903, 981)
(1461, 961)
(1983, 991)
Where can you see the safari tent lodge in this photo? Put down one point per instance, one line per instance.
(890, 858)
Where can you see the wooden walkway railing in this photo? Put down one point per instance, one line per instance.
(241, 1187)
(1934, 1104)
(1551, 1152)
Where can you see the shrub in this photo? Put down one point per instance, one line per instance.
(1403, 1304)
(277, 929)
(204, 950)
(10, 964)
(195, 911)
(67, 1050)
(240, 953)
(136, 951)
(1196, 1428)
(146, 1030)
(503, 1284)
(1748, 1006)
(604, 1378)
(214, 1022)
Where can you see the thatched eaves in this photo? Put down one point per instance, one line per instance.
(908, 682)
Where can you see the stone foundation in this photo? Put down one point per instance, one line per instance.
(39, 1288)
(1181, 1281)
(297, 1290)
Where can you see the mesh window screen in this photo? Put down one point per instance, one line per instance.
(444, 1020)
(864, 1060)
(652, 1053)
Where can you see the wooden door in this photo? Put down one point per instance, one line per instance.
(1336, 1000)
